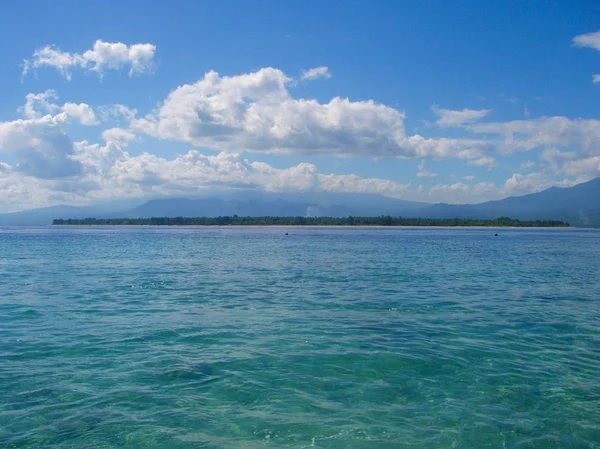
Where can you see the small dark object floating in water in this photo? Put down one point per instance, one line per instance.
(286, 233)
(495, 235)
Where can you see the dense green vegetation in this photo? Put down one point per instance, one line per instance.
(308, 221)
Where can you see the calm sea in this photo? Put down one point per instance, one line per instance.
(326, 338)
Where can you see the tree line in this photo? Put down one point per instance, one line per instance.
(384, 220)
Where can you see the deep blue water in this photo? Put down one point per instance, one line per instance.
(327, 338)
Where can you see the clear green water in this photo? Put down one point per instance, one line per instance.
(327, 338)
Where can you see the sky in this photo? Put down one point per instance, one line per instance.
(435, 101)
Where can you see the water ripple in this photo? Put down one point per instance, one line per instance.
(238, 338)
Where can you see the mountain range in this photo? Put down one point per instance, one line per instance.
(579, 205)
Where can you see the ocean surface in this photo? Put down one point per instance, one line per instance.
(326, 338)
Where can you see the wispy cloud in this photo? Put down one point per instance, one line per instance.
(317, 72)
(103, 56)
(454, 118)
(484, 161)
(422, 172)
(589, 40)
(526, 165)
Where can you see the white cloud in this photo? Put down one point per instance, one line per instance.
(38, 105)
(120, 136)
(39, 146)
(563, 141)
(543, 132)
(255, 112)
(422, 172)
(526, 165)
(457, 193)
(456, 118)
(484, 161)
(115, 55)
(555, 155)
(519, 184)
(357, 184)
(566, 162)
(317, 72)
(117, 112)
(82, 112)
(98, 161)
(590, 40)
(588, 167)
(194, 172)
(107, 171)
(138, 58)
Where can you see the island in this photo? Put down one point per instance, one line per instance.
(311, 221)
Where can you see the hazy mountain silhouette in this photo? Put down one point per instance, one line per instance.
(579, 205)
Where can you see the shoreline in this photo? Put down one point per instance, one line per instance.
(309, 226)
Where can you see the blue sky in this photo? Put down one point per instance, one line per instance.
(433, 101)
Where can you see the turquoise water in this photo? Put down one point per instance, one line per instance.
(327, 338)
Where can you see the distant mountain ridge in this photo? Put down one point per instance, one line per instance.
(579, 205)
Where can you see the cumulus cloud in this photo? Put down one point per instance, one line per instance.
(107, 171)
(317, 72)
(422, 172)
(82, 112)
(118, 135)
(455, 118)
(255, 112)
(38, 105)
(39, 143)
(103, 56)
(114, 169)
(39, 146)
